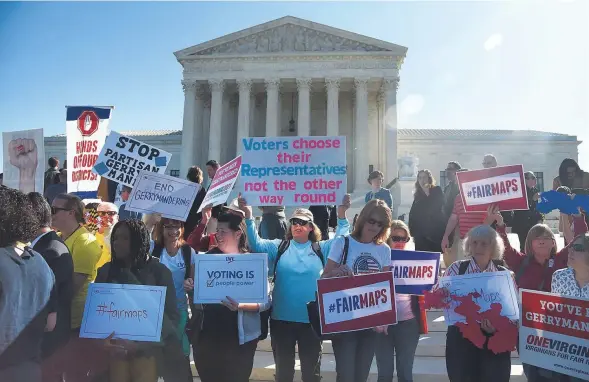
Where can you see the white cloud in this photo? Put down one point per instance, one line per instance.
(493, 41)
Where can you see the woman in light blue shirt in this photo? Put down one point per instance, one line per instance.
(295, 283)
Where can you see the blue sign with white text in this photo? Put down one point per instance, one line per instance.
(414, 271)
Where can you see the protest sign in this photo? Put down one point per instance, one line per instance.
(554, 333)
(86, 129)
(24, 160)
(504, 186)
(554, 200)
(486, 288)
(414, 271)
(132, 312)
(169, 196)
(293, 171)
(222, 184)
(122, 158)
(354, 303)
(243, 277)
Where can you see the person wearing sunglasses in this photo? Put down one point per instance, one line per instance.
(574, 280)
(367, 253)
(108, 216)
(296, 270)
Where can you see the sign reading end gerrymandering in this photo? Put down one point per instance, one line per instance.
(169, 196)
(504, 186)
(293, 171)
(414, 271)
(132, 312)
(122, 158)
(554, 333)
(243, 277)
(222, 184)
(355, 303)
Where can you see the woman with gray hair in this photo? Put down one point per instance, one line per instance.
(465, 361)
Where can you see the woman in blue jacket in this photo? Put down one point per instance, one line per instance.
(296, 273)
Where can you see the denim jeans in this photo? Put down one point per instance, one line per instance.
(354, 352)
(401, 341)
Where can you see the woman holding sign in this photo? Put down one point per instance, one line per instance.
(229, 336)
(367, 253)
(297, 263)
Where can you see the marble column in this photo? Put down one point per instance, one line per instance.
(362, 138)
(243, 113)
(332, 85)
(272, 86)
(188, 125)
(389, 89)
(304, 107)
(217, 87)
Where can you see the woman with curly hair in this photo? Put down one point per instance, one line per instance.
(27, 282)
(132, 361)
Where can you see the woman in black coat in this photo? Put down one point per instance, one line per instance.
(426, 218)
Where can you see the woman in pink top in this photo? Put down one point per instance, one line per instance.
(401, 339)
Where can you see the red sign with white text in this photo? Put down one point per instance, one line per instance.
(554, 333)
(355, 303)
(504, 186)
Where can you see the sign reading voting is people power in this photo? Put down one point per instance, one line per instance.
(169, 196)
(243, 277)
(293, 171)
(132, 312)
(122, 158)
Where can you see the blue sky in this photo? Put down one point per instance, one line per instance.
(470, 65)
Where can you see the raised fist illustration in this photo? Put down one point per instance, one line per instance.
(23, 154)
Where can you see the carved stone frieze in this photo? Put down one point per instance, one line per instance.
(290, 38)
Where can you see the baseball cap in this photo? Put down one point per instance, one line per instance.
(303, 214)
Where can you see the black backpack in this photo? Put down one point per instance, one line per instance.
(464, 266)
(283, 247)
(186, 255)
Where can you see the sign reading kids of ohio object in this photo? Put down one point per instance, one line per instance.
(243, 277)
(293, 171)
(122, 158)
(132, 312)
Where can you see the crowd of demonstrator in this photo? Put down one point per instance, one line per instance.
(52, 247)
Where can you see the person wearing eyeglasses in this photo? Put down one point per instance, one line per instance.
(108, 215)
(67, 213)
(296, 271)
(398, 345)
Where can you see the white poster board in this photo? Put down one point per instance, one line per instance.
(169, 196)
(222, 184)
(24, 160)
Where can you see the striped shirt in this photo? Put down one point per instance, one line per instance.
(466, 220)
(473, 267)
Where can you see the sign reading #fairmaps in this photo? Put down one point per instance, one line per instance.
(122, 158)
(132, 312)
(293, 171)
(222, 184)
(414, 271)
(554, 333)
(169, 196)
(243, 277)
(504, 186)
(355, 303)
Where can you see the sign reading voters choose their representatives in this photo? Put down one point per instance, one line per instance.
(504, 186)
(243, 277)
(293, 171)
(354, 303)
(554, 333)
(414, 271)
(222, 184)
(132, 312)
(122, 158)
(169, 196)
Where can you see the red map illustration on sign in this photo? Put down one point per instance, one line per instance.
(505, 336)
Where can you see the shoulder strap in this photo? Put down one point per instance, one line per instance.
(345, 252)
(157, 251)
(284, 244)
(500, 265)
(522, 268)
(317, 249)
(463, 267)
(187, 255)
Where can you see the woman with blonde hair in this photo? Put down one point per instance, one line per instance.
(426, 217)
(464, 361)
(367, 252)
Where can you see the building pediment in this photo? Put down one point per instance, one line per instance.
(289, 35)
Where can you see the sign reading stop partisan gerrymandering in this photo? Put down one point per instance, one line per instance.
(504, 186)
(293, 171)
(122, 158)
(554, 333)
(414, 271)
(354, 303)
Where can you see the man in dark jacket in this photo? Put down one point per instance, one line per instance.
(51, 174)
(524, 220)
(451, 190)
